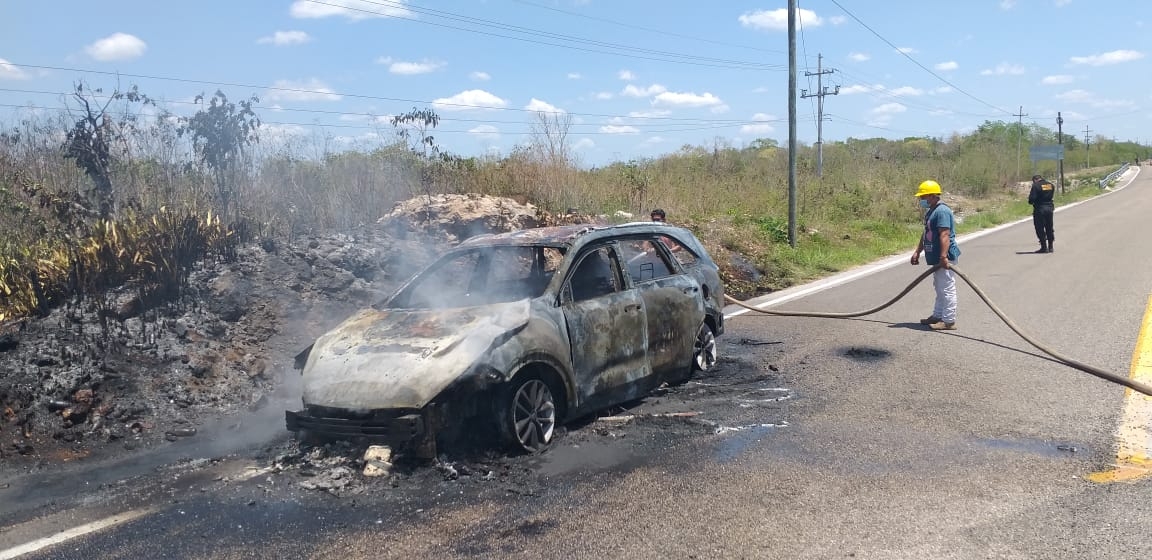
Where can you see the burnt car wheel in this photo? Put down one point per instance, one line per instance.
(529, 415)
(704, 349)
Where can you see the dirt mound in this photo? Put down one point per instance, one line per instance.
(456, 217)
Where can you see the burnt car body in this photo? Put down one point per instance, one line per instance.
(518, 332)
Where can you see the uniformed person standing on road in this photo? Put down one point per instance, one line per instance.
(1040, 197)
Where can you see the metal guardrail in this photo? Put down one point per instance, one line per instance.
(1113, 175)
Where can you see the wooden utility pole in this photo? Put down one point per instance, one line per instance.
(1019, 134)
(792, 122)
(821, 91)
(1060, 141)
(1087, 150)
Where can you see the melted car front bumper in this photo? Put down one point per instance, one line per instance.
(395, 428)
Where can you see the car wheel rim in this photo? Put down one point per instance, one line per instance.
(534, 415)
(705, 349)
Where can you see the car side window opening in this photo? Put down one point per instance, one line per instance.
(596, 275)
(686, 257)
(645, 261)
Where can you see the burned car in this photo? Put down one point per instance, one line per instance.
(512, 334)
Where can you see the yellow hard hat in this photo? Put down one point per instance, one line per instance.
(928, 187)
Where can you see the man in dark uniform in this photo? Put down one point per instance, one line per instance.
(1040, 197)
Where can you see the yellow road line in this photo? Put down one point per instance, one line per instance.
(1134, 436)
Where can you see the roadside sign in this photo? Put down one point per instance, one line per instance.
(1052, 151)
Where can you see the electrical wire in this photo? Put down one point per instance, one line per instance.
(917, 63)
(447, 118)
(307, 91)
(645, 54)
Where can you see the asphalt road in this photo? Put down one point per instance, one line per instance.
(894, 442)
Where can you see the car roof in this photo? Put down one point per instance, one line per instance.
(569, 235)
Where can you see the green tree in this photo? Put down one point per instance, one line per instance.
(220, 133)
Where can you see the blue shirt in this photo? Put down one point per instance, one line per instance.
(937, 219)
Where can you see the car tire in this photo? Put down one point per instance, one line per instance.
(528, 414)
(704, 349)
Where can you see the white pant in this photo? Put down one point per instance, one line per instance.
(944, 280)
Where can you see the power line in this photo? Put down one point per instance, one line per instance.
(370, 127)
(310, 91)
(667, 56)
(881, 90)
(685, 120)
(916, 62)
(648, 29)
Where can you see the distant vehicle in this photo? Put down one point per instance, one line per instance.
(515, 334)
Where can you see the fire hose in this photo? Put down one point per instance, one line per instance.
(1090, 369)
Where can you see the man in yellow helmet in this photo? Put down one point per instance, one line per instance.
(940, 249)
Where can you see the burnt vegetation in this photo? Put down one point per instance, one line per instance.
(119, 219)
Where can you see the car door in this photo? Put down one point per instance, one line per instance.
(672, 300)
(607, 328)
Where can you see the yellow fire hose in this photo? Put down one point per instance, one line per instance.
(1102, 374)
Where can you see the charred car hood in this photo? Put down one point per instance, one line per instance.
(403, 358)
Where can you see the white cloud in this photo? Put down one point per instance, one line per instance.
(285, 38)
(633, 91)
(312, 90)
(117, 46)
(686, 99)
(1057, 79)
(907, 91)
(860, 57)
(480, 76)
(351, 9)
(907, 50)
(889, 108)
(574, 76)
(718, 109)
(626, 75)
(1089, 98)
(413, 68)
(653, 140)
(1007, 4)
(859, 88)
(583, 144)
(947, 66)
(649, 114)
(470, 99)
(777, 20)
(604, 95)
(942, 90)
(9, 71)
(281, 132)
(1062, 3)
(1003, 69)
(837, 20)
(760, 125)
(1113, 57)
(617, 129)
(542, 107)
(485, 132)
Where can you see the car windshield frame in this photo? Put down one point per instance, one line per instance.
(435, 287)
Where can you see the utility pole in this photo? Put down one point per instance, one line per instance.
(821, 91)
(1086, 148)
(1060, 141)
(1019, 133)
(792, 122)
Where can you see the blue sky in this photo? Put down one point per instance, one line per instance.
(638, 78)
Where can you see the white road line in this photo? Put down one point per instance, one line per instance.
(797, 292)
(28, 548)
(87, 528)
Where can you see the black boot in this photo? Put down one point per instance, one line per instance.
(1043, 248)
(1051, 245)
